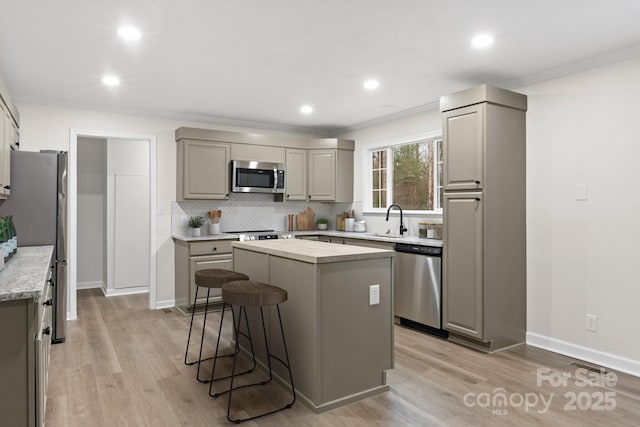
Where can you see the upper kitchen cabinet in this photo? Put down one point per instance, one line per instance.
(296, 174)
(316, 169)
(463, 148)
(476, 124)
(330, 176)
(259, 153)
(203, 170)
(9, 138)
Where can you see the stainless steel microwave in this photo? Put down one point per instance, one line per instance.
(257, 177)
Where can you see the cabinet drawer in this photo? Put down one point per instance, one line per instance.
(210, 248)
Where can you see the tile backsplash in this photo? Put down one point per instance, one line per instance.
(254, 211)
(250, 211)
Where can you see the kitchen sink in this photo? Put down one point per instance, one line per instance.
(387, 235)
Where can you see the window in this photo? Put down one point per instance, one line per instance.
(408, 174)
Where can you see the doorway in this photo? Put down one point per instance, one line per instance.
(107, 204)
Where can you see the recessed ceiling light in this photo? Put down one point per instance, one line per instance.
(371, 84)
(482, 40)
(129, 33)
(306, 109)
(111, 80)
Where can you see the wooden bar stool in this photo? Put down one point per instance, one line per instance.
(211, 278)
(247, 293)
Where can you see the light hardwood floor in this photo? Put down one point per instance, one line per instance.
(122, 365)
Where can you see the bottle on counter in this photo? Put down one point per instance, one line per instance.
(4, 242)
(14, 236)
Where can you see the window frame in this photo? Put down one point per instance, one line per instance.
(368, 174)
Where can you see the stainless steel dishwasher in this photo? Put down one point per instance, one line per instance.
(418, 287)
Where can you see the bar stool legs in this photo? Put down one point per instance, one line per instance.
(270, 356)
(211, 278)
(234, 354)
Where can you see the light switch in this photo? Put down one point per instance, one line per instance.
(581, 192)
(374, 294)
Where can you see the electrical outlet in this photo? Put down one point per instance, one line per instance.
(592, 323)
(374, 294)
(581, 192)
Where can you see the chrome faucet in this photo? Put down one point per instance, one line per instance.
(402, 227)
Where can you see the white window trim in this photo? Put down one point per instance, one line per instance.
(367, 171)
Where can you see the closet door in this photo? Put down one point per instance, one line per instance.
(131, 231)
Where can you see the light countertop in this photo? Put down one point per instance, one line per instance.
(412, 240)
(313, 252)
(24, 275)
(204, 237)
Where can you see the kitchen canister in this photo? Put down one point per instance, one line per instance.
(348, 224)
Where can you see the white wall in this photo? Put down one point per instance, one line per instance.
(92, 155)
(581, 256)
(48, 127)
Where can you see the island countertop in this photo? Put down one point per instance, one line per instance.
(25, 274)
(313, 252)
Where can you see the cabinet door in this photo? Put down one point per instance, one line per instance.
(322, 175)
(296, 175)
(206, 170)
(463, 148)
(5, 143)
(224, 261)
(462, 292)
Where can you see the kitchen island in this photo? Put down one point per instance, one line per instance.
(340, 342)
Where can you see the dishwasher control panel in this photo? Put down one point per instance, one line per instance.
(418, 249)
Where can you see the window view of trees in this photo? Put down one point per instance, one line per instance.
(416, 171)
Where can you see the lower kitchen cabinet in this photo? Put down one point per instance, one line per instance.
(193, 256)
(463, 310)
(25, 327)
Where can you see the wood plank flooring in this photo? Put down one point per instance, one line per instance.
(122, 365)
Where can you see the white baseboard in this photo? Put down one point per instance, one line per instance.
(609, 360)
(165, 304)
(89, 285)
(125, 291)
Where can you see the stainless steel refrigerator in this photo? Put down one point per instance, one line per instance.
(38, 203)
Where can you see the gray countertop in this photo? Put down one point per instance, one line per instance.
(25, 274)
(313, 252)
(412, 240)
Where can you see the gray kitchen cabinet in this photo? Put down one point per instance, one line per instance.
(260, 153)
(463, 310)
(6, 139)
(25, 326)
(191, 257)
(203, 170)
(463, 164)
(484, 240)
(9, 123)
(330, 175)
(296, 174)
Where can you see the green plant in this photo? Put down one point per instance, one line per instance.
(196, 221)
(322, 221)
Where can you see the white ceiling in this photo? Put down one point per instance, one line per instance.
(254, 62)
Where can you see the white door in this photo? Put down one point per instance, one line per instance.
(131, 231)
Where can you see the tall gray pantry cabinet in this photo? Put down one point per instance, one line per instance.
(484, 260)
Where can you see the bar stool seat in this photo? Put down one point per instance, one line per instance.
(250, 293)
(216, 277)
(209, 278)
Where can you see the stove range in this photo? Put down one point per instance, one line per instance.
(246, 235)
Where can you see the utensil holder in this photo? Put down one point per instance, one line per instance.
(214, 229)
